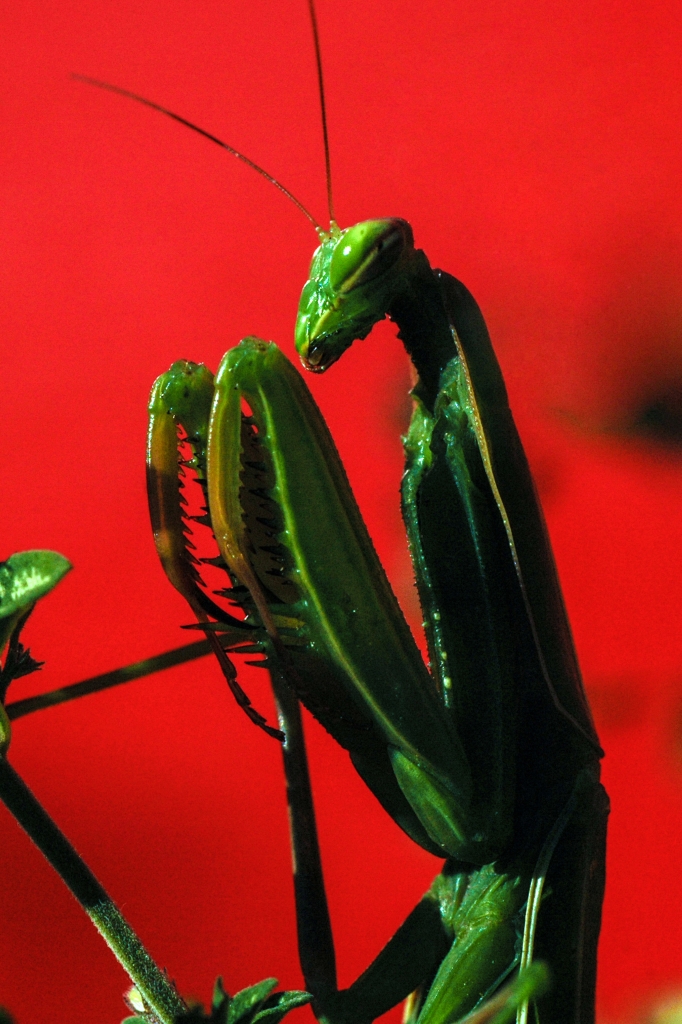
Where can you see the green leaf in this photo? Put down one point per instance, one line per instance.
(28, 575)
(279, 1004)
(245, 1003)
(24, 578)
(221, 999)
(258, 1003)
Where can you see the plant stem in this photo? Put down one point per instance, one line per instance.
(178, 656)
(152, 983)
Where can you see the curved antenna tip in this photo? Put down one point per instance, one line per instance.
(87, 80)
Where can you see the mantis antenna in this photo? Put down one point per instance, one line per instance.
(235, 152)
(212, 138)
(323, 109)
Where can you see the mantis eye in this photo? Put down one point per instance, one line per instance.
(367, 251)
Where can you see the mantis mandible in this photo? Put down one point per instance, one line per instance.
(490, 759)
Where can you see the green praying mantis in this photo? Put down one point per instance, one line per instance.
(488, 758)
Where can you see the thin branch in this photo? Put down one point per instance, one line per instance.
(138, 669)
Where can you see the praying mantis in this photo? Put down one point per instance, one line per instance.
(491, 760)
(468, 269)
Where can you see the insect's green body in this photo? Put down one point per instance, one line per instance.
(492, 759)
(499, 641)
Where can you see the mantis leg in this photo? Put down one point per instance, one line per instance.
(414, 952)
(458, 942)
(315, 939)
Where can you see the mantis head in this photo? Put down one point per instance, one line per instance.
(354, 276)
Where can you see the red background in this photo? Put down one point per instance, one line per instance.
(536, 150)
